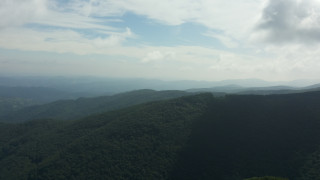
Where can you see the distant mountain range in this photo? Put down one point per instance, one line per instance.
(236, 89)
(93, 86)
(37, 94)
(27, 103)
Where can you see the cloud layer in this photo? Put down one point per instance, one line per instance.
(268, 39)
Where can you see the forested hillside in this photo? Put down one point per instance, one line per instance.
(8, 105)
(141, 142)
(195, 137)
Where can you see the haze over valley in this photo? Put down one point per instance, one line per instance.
(145, 89)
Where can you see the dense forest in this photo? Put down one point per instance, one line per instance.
(234, 137)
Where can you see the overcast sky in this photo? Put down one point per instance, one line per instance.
(164, 39)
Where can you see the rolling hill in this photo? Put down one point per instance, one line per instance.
(38, 95)
(71, 109)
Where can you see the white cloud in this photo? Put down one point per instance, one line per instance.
(55, 28)
(288, 32)
(72, 20)
(289, 21)
(20, 12)
(61, 41)
(115, 39)
(232, 18)
(158, 56)
(227, 41)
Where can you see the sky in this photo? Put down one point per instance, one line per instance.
(274, 40)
